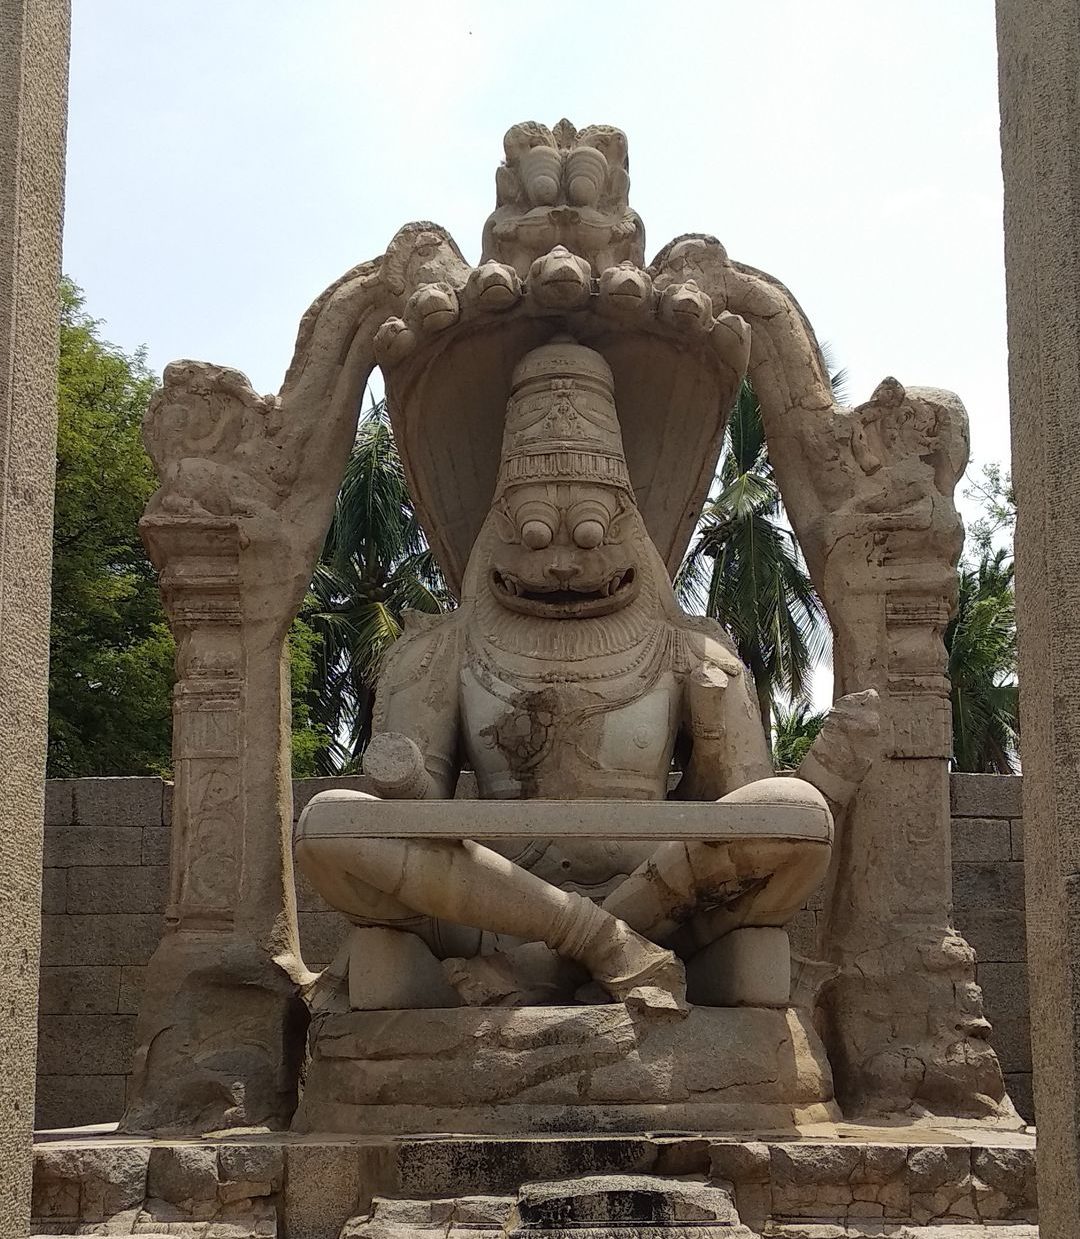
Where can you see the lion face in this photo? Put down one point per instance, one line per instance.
(564, 550)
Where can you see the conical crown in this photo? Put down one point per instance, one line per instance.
(561, 423)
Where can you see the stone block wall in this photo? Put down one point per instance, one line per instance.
(988, 903)
(105, 887)
(103, 892)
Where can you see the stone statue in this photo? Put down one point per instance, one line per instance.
(568, 951)
(569, 673)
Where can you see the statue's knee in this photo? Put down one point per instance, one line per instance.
(778, 790)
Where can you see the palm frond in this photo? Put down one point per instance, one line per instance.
(795, 728)
(838, 375)
(981, 645)
(375, 565)
(745, 569)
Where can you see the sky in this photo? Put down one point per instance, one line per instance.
(228, 159)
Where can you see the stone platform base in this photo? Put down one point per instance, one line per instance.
(829, 1181)
(564, 1069)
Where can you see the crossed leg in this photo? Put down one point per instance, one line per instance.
(687, 895)
(392, 881)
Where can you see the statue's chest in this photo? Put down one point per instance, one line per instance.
(608, 739)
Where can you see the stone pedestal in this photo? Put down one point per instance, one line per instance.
(564, 1069)
(1039, 61)
(33, 103)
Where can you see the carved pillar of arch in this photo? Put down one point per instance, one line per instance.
(200, 582)
(248, 486)
(903, 1016)
(221, 1026)
(870, 495)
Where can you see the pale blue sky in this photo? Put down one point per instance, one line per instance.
(229, 158)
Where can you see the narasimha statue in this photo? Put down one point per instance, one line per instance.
(569, 672)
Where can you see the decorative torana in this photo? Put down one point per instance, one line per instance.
(567, 950)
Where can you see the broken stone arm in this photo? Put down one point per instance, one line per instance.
(729, 745)
(728, 748)
(414, 751)
(844, 749)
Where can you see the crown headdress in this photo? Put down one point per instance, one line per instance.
(561, 423)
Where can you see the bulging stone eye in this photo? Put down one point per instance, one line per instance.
(536, 535)
(588, 534)
(541, 172)
(586, 172)
(544, 190)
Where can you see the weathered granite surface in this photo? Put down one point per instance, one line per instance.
(558, 1069)
(832, 1182)
(106, 848)
(593, 1207)
(569, 670)
(34, 42)
(1038, 62)
(568, 677)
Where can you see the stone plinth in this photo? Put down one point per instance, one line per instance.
(537, 1069)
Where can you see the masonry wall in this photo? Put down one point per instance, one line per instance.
(988, 908)
(105, 884)
(104, 892)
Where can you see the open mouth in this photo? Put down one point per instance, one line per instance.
(563, 602)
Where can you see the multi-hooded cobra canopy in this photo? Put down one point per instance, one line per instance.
(673, 391)
(563, 257)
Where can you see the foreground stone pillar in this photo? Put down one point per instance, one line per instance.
(33, 103)
(1039, 66)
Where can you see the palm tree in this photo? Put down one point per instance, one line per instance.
(981, 642)
(745, 568)
(374, 565)
(795, 729)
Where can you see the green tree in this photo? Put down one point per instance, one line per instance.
(981, 642)
(375, 565)
(795, 728)
(993, 489)
(111, 652)
(745, 568)
(310, 740)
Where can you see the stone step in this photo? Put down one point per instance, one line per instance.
(600, 1206)
(837, 1181)
(885, 1230)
